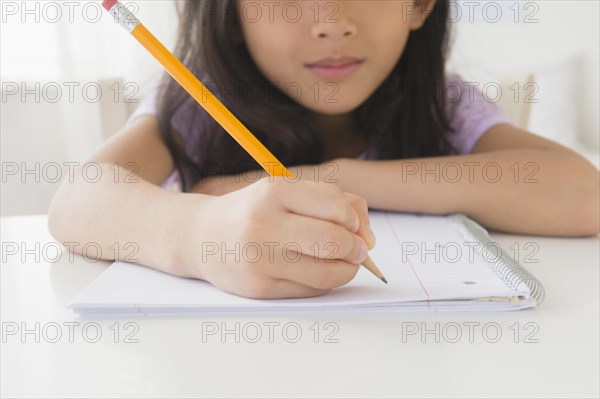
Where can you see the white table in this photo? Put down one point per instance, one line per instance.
(177, 357)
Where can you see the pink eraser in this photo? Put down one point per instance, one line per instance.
(108, 4)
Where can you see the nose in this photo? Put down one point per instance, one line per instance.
(333, 25)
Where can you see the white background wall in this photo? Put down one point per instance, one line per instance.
(558, 41)
(67, 43)
(57, 44)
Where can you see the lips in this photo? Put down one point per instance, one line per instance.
(334, 62)
(335, 68)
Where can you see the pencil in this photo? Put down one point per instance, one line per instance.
(206, 99)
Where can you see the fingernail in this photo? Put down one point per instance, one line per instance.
(364, 251)
(355, 223)
(373, 239)
(370, 229)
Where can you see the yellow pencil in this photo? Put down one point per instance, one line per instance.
(206, 99)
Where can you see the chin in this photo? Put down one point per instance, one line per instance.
(332, 108)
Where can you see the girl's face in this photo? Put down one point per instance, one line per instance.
(329, 56)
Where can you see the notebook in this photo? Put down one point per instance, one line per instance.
(432, 263)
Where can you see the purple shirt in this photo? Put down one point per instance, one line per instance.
(469, 112)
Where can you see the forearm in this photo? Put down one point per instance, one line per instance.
(519, 191)
(128, 219)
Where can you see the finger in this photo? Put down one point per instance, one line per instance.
(318, 200)
(289, 289)
(313, 272)
(360, 206)
(261, 286)
(321, 239)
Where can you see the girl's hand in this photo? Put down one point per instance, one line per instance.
(280, 239)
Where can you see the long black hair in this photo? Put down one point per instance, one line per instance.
(404, 118)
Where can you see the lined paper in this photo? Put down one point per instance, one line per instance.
(427, 260)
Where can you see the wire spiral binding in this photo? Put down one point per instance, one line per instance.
(504, 265)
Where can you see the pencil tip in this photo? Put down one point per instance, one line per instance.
(384, 280)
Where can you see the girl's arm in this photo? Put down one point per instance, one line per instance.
(258, 242)
(125, 213)
(513, 181)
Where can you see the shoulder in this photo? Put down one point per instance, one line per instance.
(470, 113)
(189, 121)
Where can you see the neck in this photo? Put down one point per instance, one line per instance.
(340, 135)
(336, 126)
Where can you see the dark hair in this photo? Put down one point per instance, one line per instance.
(404, 118)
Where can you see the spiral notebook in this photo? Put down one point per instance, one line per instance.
(432, 263)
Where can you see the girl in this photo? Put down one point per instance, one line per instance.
(354, 94)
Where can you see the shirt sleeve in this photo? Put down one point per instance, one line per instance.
(148, 104)
(470, 113)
